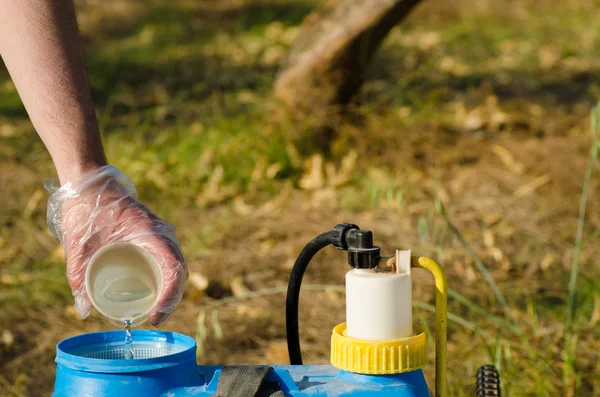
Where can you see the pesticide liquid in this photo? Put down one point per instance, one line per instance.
(123, 282)
(128, 340)
(127, 289)
(124, 297)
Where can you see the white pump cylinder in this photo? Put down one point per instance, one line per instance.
(379, 304)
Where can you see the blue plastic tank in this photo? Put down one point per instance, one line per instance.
(164, 364)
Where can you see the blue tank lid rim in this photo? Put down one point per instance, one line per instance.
(97, 365)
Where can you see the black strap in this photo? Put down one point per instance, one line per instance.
(243, 381)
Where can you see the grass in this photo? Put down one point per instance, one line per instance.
(480, 265)
(570, 348)
(478, 107)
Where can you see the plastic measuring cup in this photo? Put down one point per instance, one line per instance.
(123, 282)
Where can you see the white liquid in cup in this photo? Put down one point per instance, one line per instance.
(123, 282)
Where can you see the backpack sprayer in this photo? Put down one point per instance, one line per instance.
(377, 352)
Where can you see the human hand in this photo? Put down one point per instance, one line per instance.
(99, 208)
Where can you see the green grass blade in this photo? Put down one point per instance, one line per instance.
(569, 356)
(479, 310)
(480, 265)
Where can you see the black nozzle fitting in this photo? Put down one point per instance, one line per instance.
(362, 254)
(340, 235)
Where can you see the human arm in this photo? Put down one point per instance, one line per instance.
(39, 45)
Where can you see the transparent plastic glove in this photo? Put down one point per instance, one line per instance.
(99, 208)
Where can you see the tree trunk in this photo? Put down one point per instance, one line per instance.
(326, 64)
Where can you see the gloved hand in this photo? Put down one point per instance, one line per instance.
(100, 208)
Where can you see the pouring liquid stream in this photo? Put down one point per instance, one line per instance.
(129, 295)
(128, 340)
(124, 291)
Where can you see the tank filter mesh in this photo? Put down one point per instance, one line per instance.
(116, 351)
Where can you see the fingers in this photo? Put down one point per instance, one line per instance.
(79, 248)
(76, 277)
(174, 275)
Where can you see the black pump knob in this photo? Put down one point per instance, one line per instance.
(360, 239)
(362, 254)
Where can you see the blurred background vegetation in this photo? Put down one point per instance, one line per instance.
(469, 141)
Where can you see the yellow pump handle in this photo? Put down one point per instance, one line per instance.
(441, 321)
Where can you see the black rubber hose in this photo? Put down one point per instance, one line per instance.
(293, 291)
(488, 382)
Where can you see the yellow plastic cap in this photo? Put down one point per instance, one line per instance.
(377, 357)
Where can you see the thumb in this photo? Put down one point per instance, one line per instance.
(83, 305)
